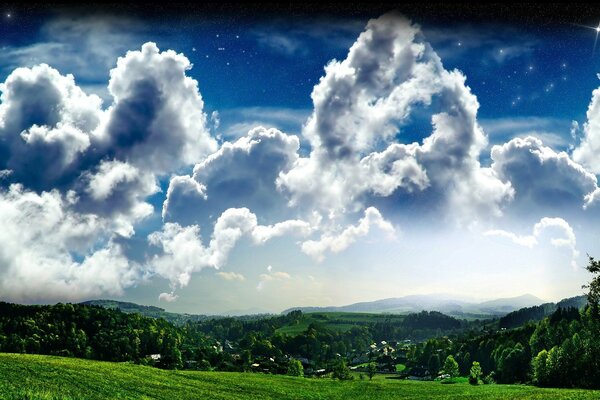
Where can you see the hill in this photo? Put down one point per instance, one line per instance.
(147, 311)
(434, 302)
(48, 378)
(537, 313)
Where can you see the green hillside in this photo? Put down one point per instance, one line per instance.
(147, 311)
(339, 321)
(51, 378)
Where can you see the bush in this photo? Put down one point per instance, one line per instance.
(295, 368)
(475, 373)
(341, 371)
(489, 379)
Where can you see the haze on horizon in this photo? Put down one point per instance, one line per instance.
(276, 163)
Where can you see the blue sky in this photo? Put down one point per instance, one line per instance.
(247, 163)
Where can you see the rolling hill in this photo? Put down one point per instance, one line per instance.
(147, 311)
(37, 377)
(445, 304)
(537, 313)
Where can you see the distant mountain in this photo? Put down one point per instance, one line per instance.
(443, 303)
(537, 313)
(148, 311)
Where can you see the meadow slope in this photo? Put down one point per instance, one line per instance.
(38, 377)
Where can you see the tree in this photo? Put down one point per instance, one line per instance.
(466, 364)
(540, 368)
(295, 368)
(475, 373)
(593, 294)
(341, 371)
(434, 364)
(371, 369)
(451, 366)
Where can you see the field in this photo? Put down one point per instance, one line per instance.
(52, 378)
(340, 321)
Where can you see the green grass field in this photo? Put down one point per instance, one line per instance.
(51, 378)
(340, 321)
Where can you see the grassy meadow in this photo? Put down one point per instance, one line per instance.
(38, 377)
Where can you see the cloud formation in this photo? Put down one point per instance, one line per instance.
(542, 178)
(339, 242)
(182, 252)
(360, 108)
(76, 177)
(239, 174)
(561, 234)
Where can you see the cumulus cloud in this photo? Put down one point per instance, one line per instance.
(45, 125)
(541, 177)
(239, 174)
(182, 252)
(560, 233)
(587, 151)
(76, 177)
(337, 242)
(42, 241)
(156, 121)
(360, 108)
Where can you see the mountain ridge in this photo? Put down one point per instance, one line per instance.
(433, 302)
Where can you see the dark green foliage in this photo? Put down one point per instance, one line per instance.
(434, 364)
(593, 287)
(537, 313)
(431, 320)
(76, 330)
(146, 311)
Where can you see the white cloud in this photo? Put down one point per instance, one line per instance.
(239, 174)
(157, 121)
(231, 276)
(541, 177)
(360, 107)
(41, 238)
(77, 177)
(168, 297)
(336, 243)
(561, 235)
(182, 252)
(589, 148)
(271, 276)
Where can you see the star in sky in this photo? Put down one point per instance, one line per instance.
(595, 28)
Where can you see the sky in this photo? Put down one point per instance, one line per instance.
(211, 162)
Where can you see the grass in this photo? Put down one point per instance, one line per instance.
(37, 377)
(400, 367)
